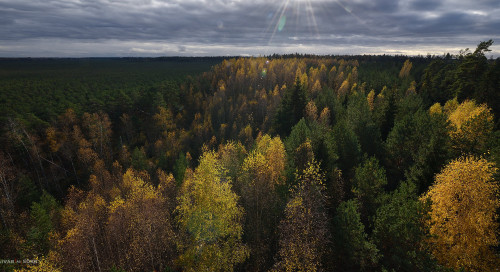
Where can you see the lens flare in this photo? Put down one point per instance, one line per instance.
(293, 17)
(281, 23)
(278, 15)
(301, 11)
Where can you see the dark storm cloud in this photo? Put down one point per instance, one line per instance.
(450, 24)
(221, 27)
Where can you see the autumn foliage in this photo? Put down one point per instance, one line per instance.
(463, 219)
(276, 163)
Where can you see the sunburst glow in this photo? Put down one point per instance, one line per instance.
(300, 11)
(292, 17)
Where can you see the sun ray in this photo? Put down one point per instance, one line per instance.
(302, 13)
(313, 18)
(296, 14)
(348, 10)
(281, 19)
(276, 15)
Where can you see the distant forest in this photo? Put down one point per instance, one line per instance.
(277, 163)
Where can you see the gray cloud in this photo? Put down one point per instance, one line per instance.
(222, 27)
(424, 5)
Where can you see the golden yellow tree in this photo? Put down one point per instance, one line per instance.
(463, 219)
(316, 88)
(324, 117)
(405, 70)
(127, 225)
(436, 109)
(168, 145)
(304, 233)
(371, 98)
(139, 227)
(344, 88)
(83, 221)
(472, 126)
(210, 219)
(261, 173)
(311, 111)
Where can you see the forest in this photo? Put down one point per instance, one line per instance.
(277, 163)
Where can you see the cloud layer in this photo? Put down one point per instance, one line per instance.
(78, 28)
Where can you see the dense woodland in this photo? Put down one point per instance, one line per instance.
(278, 163)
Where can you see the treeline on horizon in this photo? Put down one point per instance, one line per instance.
(278, 163)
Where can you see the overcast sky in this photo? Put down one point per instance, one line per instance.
(96, 28)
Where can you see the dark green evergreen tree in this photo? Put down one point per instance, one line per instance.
(348, 147)
(298, 136)
(399, 231)
(291, 109)
(435, 81)
(353, 249)
(180, 168)
(359, 115)
(44, 214)
(470, 71)
(139, 159)
(368, 186)
(417, 146)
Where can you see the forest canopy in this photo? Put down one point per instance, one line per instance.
(277, 163)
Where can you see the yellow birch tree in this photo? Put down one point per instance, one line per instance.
(463, 219)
